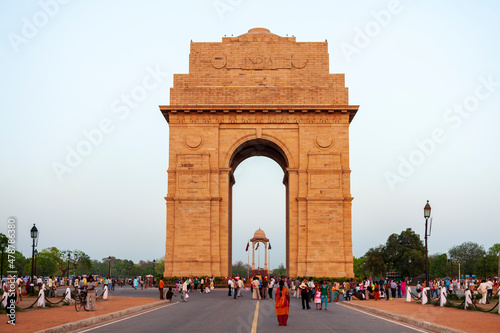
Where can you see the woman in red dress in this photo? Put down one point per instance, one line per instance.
(282, 303)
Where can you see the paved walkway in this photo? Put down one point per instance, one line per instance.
(455, 319)
(37, 319)
(440, 319)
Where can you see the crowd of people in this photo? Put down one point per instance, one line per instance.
(327, 291)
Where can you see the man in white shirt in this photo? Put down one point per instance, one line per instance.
(241, 285)
(489, 291)
(184, 290)
(39, 282)
(311, 286)
(483, 290)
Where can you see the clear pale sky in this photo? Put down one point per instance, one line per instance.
(426, 75)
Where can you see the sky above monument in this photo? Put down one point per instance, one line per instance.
(85, 148)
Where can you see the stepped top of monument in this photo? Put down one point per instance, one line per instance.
(259, 31)
(258, 35)
(259, 67)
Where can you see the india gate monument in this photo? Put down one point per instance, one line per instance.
(259, 94)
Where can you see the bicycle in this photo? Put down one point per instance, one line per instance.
(81, 301)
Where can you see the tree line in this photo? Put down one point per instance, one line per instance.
(405, 254)
(55, 262)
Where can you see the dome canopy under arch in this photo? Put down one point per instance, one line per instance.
(259, 236)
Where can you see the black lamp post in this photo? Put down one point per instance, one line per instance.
(109, 267)
(69, 258)
(34, 236)
(154, 271)
(2, 246)
(36, 256)
(484, 264)
(409, 261)
(427, 214)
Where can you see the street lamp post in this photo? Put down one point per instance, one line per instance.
(69, 257)
(498, 273)
(2, 246)
(409, 261)
(36, 256)
(34, 236)
(427, 214)
(109, 267)
(484, 264)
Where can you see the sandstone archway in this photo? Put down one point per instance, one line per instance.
(259, 94)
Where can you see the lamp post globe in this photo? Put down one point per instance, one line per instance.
(34, 236)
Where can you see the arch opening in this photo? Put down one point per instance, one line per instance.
(273, 221)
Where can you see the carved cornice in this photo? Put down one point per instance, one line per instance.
(216, 114)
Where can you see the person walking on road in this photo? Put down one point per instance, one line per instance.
(264, 287)
(270, 288)
(282, 303)
(255, 285)
(304, 294)
(324, 294)
(241, 286)
(184, 290)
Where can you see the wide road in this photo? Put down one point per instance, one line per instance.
(216, 312)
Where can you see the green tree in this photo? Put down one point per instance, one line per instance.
(360, 268)
(486, 265)
(376, 260)
(439, 266)
(160, 266)
(79, 261)
(45, 264)
(5, 240)
(20, 263)
(468, 253)
(239, 268)
(280, 271)
(494, 251)
(399, 249)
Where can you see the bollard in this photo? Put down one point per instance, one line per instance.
(468, 299)
(41, 297)
(105, 295)
(442, 297)
(67, 295)
(424, 296)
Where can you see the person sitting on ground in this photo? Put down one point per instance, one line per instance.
(169, 295)
(358, 295)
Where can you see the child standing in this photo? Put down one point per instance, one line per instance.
(317, 298)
